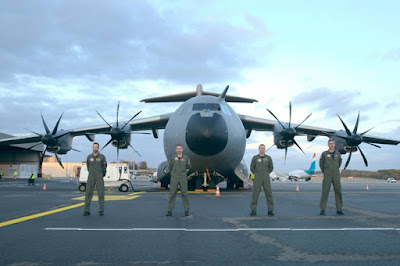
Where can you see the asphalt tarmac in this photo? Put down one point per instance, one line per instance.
(47, 227)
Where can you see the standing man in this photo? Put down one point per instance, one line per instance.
(31, 180)
(178, 166)
(261, 166)
(1, 173)
(97, 166)
(15, 174)
(329, 163)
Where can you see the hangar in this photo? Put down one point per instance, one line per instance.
(20, 158)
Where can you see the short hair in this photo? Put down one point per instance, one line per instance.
(177, 145)
(331, 140)
(96, 143)
(261, 145)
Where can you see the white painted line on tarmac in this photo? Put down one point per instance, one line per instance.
(223, 229)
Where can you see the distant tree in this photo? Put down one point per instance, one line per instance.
(143, 165)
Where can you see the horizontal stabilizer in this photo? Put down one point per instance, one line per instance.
(182, 97)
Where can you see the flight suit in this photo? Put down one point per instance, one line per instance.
(177, 167)
(262, 167)
(97, 167)
(330, 164)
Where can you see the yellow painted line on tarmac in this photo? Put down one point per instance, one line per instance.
(66, 208)
(130, 196)
(38, 215)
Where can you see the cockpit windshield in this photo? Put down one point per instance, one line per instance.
(206, 106)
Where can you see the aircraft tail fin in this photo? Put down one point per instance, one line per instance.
(311, 170)
(182, 97)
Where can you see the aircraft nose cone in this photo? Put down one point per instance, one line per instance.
(49, 140)
(289, 133)
(206, 136)
(116, 133)
(356, 139)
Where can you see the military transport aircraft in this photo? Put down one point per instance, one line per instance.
(212, 134)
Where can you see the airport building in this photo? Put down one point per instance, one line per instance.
(51, 168)
(19, 158)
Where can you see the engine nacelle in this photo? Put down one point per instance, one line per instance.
(281, 143)
(350, 149)
(163, 174)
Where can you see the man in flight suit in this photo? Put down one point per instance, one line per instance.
(261, 166)
(178, 166)
(329, 163)
(97, 167)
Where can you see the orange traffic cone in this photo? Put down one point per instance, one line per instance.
(366, 187)
(297, 188)
(217, 193)
(44, 187)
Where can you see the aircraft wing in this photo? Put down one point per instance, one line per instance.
(261, 124)
(21, 140)
(149, 123)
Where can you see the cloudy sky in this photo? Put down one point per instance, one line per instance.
(80, 56)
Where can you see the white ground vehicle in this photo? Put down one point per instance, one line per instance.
(391, 180)
(117, 176)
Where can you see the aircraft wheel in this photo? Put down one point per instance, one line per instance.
(82, 187)
(123, 188)
(164, 184)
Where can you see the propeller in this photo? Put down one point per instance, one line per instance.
(288, 133)
(118, 133)
(353, 139)
(49, 139)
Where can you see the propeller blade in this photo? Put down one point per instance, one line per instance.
(131, 119)
(56, 126)
(42, 157)
(270, 147)
(365, 132)
(356, 126)
(373, 145)
(348, 161)
(117, 150)
(135, 150)
(136, 133)
(44, 124)
(303, 121)
(104, 119)
(275, 118)
(40, 135)
(298, 146)
(59, 161)
(62, 135)
(117, 112)
(362, 154)
(290, 113)
(345, 127)
(34, 145)
(107, 144)
(286, 143)
(75, 150)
